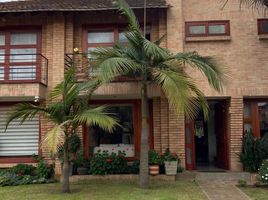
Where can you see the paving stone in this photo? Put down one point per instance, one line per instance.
(221, 190)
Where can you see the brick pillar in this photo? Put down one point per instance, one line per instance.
(69, 34)
(236, 132)
(181, 138)
(164, 123)
(162, 28)
(157, 124)
(55, 51)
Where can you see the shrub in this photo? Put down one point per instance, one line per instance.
(242, 183)
(168, 156)
(154, 158)
(43, 169)
(104, 163)
(80, 160)
(134, 168)
(254, 151)
(74, 143)
(263, 172)
(8, 178)
(23, 169)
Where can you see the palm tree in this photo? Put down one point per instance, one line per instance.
(68, 110)
(156, 65)
(252, 3)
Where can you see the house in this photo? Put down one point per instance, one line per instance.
(37, 36)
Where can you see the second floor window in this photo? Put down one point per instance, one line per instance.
(18, 51)
(107, 37)
(207, 28)
(262, 26)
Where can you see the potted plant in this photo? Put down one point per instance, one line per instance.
(154, 161)
(171, 161)
(81, 163)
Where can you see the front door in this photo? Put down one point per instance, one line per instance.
(221, 135)
(198, 136)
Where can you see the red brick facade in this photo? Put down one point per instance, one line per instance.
(243, 53)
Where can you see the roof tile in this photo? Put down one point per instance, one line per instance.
(72, 5)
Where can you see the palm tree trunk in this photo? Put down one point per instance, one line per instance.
(144, 175)
(65, 172)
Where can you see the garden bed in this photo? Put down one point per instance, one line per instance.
(76, 178)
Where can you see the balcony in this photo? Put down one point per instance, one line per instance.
(121, 87)
(23, 76)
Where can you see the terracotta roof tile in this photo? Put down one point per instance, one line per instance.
(71, 5)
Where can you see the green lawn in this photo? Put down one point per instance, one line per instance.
(110, 190)
(256, 193)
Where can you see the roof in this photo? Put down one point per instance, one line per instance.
(72, 5)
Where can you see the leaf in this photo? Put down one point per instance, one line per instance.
(54, 138)
(97, 116)
(181, 92)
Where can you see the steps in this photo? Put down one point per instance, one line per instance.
(225, 176)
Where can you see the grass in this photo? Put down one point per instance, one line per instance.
(106, 190)
(256, 193)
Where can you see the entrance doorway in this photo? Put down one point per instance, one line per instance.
(207, 140)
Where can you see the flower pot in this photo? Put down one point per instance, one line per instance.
(171, 167)
(82, 171)
(154, 170)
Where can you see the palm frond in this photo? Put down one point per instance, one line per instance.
(206, 65)
(154, 52)
(110, 65)
(65, 85)
(160, 40)
(24, 111)
(251, 3)
(181, 92)
(97, 116)
(54, 138)
(125, 10)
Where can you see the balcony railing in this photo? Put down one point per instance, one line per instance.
(83, 70)
(23, 68)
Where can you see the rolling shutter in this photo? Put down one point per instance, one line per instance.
(19, 139)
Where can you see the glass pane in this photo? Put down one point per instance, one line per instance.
(216, 29)
(247, 127)
(2, 40)
(263, 117)
(201, 29)
(265, 26)
(121, 139)
(188, 136)
(23, 38)
(23, 57)
(189, 156)
(100, 37)
(22, 72)
(2, 75)
(122, 37)
(247, 111)
(2, 56)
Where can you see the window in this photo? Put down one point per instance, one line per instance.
(256, 117)
(207, 28)
(121, 139)
(18, 55)
(262, 26)
(106, 37)
(19, 139)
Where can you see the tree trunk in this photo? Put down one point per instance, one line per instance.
(144, 167)
(65, 172)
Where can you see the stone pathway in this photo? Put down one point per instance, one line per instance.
(221, 190)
